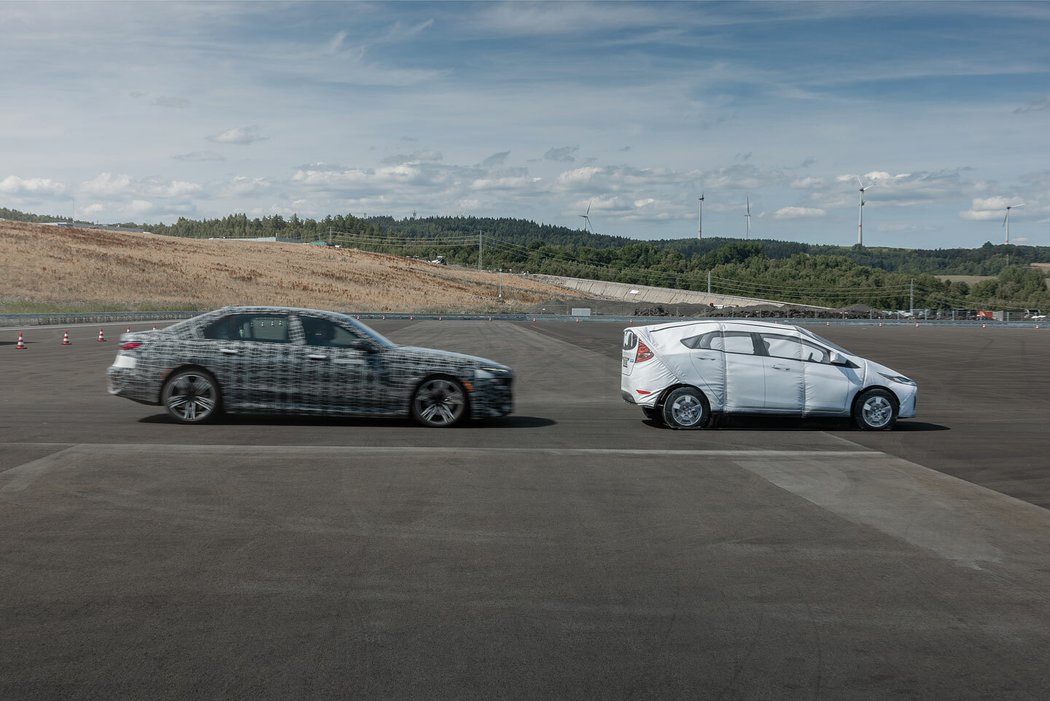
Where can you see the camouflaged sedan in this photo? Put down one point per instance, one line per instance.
(301, 361)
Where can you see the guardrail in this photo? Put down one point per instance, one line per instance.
(74, 318)
(18, 321)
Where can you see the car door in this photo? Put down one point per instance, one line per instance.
(341, 371)
(250, 355)
(828, 387)
(708, 359)
(744, 371)
(785, 386)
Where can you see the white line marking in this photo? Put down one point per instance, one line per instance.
(455, 450)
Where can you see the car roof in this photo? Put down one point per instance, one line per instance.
(712, 323)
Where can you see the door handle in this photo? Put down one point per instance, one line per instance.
(228, 351)
(781, 367)
(317, 356)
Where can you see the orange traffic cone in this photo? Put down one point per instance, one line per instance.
(20, 345)
(101, 336)
(65, 339)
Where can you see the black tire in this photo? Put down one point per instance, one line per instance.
(191, 397)
(439, 402)
(875, 410)
(686, 408)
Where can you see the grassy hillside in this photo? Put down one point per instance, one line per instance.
(48, 268)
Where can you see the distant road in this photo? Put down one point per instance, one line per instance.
(658, 295)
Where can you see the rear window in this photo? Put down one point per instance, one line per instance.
(629, 340)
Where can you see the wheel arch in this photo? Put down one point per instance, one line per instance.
(467, 385)
(671, 388)
(189, 366)
(863, 390)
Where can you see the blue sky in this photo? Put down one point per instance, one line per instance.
(149, 111)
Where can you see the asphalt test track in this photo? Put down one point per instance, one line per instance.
(571, 550)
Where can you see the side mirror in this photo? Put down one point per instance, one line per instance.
(836, 358)
(362, 345)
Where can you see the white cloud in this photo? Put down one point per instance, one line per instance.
(15, 185)
(123, 187)
(799, 213)
(108, 185)
(241, 136)
(198, 156)
(990, 208)
(242, 185)
(578, 177)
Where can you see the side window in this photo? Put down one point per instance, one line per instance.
(222, 329)
(778, 346)
(712, 340)
(322, 332)
(268, 328)
(738, 342)
(817, 354)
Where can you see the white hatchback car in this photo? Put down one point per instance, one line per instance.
(681, 373)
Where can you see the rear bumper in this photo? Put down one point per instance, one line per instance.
(127, 383)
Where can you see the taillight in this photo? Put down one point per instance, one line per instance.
(130, 345)
(643, 353)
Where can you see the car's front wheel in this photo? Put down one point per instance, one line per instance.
(686, 407)
(875, 410)
(439, 402)
(191, 396)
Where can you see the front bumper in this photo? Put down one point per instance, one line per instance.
(492, 397)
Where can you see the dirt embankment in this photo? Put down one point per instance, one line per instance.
(47, 267)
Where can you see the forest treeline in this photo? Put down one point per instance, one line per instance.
(833, 276)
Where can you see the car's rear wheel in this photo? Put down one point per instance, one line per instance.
(191, 396)
(875, 410)
(439, 402)
(685, 408)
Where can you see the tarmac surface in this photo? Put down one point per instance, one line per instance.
(570, 550)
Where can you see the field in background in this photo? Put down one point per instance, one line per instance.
(47, 268)
(974, 279)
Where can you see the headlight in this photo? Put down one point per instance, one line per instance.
(491, 371)
(899, 379)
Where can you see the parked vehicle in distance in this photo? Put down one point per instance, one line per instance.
(301, 361)
(683, 373)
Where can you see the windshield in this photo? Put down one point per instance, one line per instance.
(372, 334)
(826, 342)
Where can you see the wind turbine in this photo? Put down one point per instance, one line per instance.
(700, 217)
(1006, 220)
(587, 218)
(860, 209)
(748, 218)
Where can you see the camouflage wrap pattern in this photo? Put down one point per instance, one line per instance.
(283, 360)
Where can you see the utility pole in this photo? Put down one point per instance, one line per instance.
(911, 302)
(479, 250)
(700, 217)
(708, 282)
